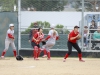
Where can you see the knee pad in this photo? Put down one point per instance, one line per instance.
(36, 48)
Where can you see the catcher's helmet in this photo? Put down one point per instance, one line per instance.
(19, 57)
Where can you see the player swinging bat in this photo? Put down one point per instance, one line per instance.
(9, 40)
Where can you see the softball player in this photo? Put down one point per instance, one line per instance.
(37, 38)
(51, 40)
(9, 40)
(31, 34)
(72, 42)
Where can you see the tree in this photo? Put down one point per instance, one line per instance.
(46, 26)
(41, 24)
(44, 5)
(90, 5)
(7, 5)
(61, 29)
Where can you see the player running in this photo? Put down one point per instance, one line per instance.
(72, 42)
(51, 40)
(37, 38)
(9, 40)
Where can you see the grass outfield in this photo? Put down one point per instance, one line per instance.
(55, 66)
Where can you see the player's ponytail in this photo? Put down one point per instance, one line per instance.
(54, 33)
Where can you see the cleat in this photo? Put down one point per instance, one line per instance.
(2, 57)
(44, 56)
(81, 60)
(64, 60)
(36, 59)
(48, 59)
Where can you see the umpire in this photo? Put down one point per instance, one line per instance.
(33, 31)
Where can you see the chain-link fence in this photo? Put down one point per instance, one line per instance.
(8, 14)
(8, 5)
(43, 5)
(61, 44)
(24, 12)
(60, 5)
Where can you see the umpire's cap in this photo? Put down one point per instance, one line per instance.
(19, 57)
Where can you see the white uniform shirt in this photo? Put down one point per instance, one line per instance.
(52, 38)
(9, 31)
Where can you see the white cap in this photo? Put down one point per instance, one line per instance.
(52, 26)
(10, 25)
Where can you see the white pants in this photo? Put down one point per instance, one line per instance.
(49, 45)
(9, 42)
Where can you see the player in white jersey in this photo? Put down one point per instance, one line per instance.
(9, 40)
(51, 40)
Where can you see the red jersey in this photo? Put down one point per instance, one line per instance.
(38, 36)
(72, 34)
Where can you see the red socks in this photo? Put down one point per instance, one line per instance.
(48, 54)
(45, 52)
(80, 56)
(14, 51)
(39, 51)
(35, 51)
(66, 56)
(3, 53)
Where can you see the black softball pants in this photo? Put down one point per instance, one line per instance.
(75, 45)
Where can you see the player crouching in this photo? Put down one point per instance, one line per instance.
(37, 38)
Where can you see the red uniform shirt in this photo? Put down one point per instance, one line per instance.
(38, 36)
(72, 34)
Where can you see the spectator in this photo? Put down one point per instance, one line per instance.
(93, 26)
(96, 37)
(86, 33)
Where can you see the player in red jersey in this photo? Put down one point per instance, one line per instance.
(72, 42)
(37, 38)
(31, 34)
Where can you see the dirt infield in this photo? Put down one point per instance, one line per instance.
(55, 66)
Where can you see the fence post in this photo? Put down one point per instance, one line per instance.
(82, 23)
(19, 25)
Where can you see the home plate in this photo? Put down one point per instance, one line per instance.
(31, 66)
